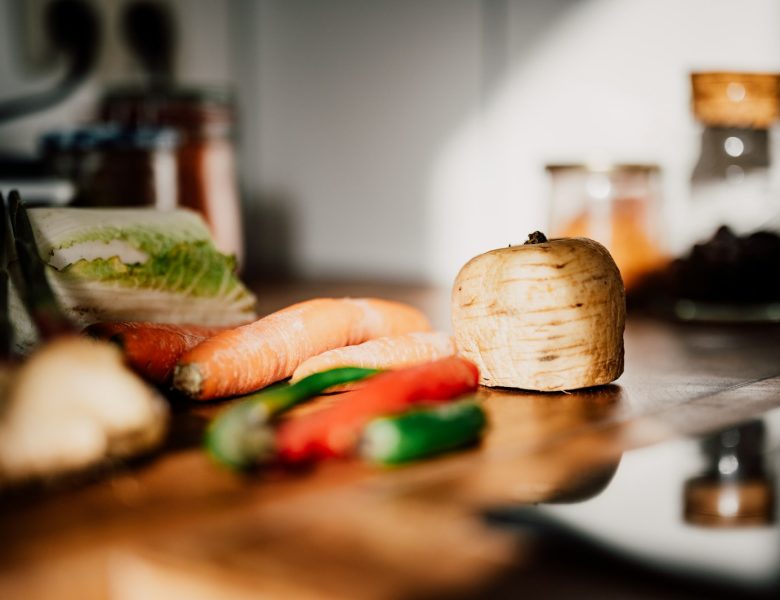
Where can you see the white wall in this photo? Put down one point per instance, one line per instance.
(352, 104)
(608, 79)
(408, 136)
(397, 138)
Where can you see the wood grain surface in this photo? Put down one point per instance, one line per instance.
(174, 524)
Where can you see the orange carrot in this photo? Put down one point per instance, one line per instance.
(333, 431)
(152, 349)
(253, 356)
(392, 352)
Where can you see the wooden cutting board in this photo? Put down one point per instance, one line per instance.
(175, 524)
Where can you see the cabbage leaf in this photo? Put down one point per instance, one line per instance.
(139, 264)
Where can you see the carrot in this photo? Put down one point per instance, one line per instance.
(152, 349)
(333, 431)
(253, 356)
(392, 352)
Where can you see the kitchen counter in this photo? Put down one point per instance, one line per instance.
(467, 525)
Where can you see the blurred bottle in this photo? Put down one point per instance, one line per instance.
(205, 161)
(616, 205)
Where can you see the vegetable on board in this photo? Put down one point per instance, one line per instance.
(73, 403)
(250, 357)
(384, 353)
(152, 349)
(239, 437)
(35, 289)
(422, 432)
(334, 431)
(114, 264)
(547, 315)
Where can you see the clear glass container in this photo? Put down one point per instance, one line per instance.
(617, 205)
(204, 119)
(734, 182)
(115, 166)
(730, 268)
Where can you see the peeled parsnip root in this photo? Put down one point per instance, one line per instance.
(546, 316)
(72, 405)
(390, 352)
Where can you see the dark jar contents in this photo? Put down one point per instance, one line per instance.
(205, 161)
(730, 269)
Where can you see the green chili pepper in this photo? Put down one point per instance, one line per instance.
(423, 432)
(240, 436)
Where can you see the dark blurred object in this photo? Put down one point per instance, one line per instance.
(730, 269)
(584, 486)
(149, 31)
(616, 205)
(206, 174)
(115, 166)
(735, 488)
(74, 30)
(728, 278)
(35, 181)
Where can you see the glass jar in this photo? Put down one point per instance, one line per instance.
(730, 268)
(617, 205)
(734, 182)
(113, 166)
(206, 171)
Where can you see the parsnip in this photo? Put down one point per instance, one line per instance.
(74, 404)
(547, 315)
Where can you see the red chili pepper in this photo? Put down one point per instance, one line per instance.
(334, 431)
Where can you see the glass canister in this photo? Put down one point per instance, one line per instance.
(115, 166)
(204, 119)
(730, 268)
(736, 180)
(618, 205)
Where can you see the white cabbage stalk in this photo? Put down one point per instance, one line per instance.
(138, 264)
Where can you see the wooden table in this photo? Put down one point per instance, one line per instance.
(176, 525)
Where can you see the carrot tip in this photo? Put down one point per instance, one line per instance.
(187, 378)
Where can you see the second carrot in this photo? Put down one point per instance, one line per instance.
(245, 359)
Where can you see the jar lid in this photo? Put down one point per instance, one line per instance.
(143, 138)
(204, 96)
(204, 110)
(732, 99)
(87, 137)
(103, 136)
(605, 168)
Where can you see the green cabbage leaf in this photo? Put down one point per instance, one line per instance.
(139, 264)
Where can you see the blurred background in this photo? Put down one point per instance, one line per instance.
(371, 139)
(369, 142)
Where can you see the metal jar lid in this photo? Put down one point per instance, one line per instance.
(731, 99)
(604, 168)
